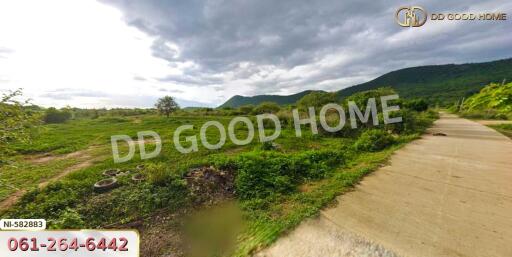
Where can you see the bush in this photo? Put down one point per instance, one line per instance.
(17, 119)
(267, 107)
(419, 105)
(286, 118)
(53, 115)
(157, 174)
(374, 140)
(262, 174)
(246, 109)
(407, 125)
(316, 99)
(268, 146)
(69, 219)
(361, 98)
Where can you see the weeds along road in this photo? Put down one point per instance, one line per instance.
(439, 196)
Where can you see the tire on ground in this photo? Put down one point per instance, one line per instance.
(105, 185)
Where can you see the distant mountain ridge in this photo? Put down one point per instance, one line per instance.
(441, 84)
(238, 100)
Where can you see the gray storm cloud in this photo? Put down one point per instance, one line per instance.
(296, 45)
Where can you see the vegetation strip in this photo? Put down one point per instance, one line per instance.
(274, 185)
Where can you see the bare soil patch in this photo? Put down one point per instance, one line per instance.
(210, 185)
(84, 156)
(48, 157)
(11, 200)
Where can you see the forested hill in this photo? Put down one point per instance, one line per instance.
(440, 83)
(443, 84)
(237, 100)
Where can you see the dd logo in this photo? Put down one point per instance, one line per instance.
(413, 16)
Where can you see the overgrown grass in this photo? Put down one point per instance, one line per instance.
(276, 185)
(284, 212)
(494, 101)
(24, 175)
(21, 173)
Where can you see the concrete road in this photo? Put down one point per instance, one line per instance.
(439, 196)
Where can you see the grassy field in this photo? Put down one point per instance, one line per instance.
(273, 186)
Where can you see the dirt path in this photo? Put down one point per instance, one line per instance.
(84, 157)
(440, 196)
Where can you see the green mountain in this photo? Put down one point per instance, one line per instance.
(443, 84)
(238, 100)
(439, 83)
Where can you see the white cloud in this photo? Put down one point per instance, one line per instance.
(78, 46)
(88, 54)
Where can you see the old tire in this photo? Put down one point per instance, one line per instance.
(111, 172)
(138, 178)
(105, 185)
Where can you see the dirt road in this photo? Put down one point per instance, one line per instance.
(440, 196)
(84, 157)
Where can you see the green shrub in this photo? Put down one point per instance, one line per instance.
(407, 124)
(374, 140)
(222, 162)
(267, 107)
(53, 115)
(69, 219)
(412, 121)
(262, 174)
(267, 146)
(361, 100)
(246, 109)
(286, 118)
(419, 105)
(316, 99)
(157, 173)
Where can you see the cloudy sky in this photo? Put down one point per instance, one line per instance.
(127, 53)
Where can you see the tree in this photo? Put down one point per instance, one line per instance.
(166, 105)
(53, 115)
(16, 121)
